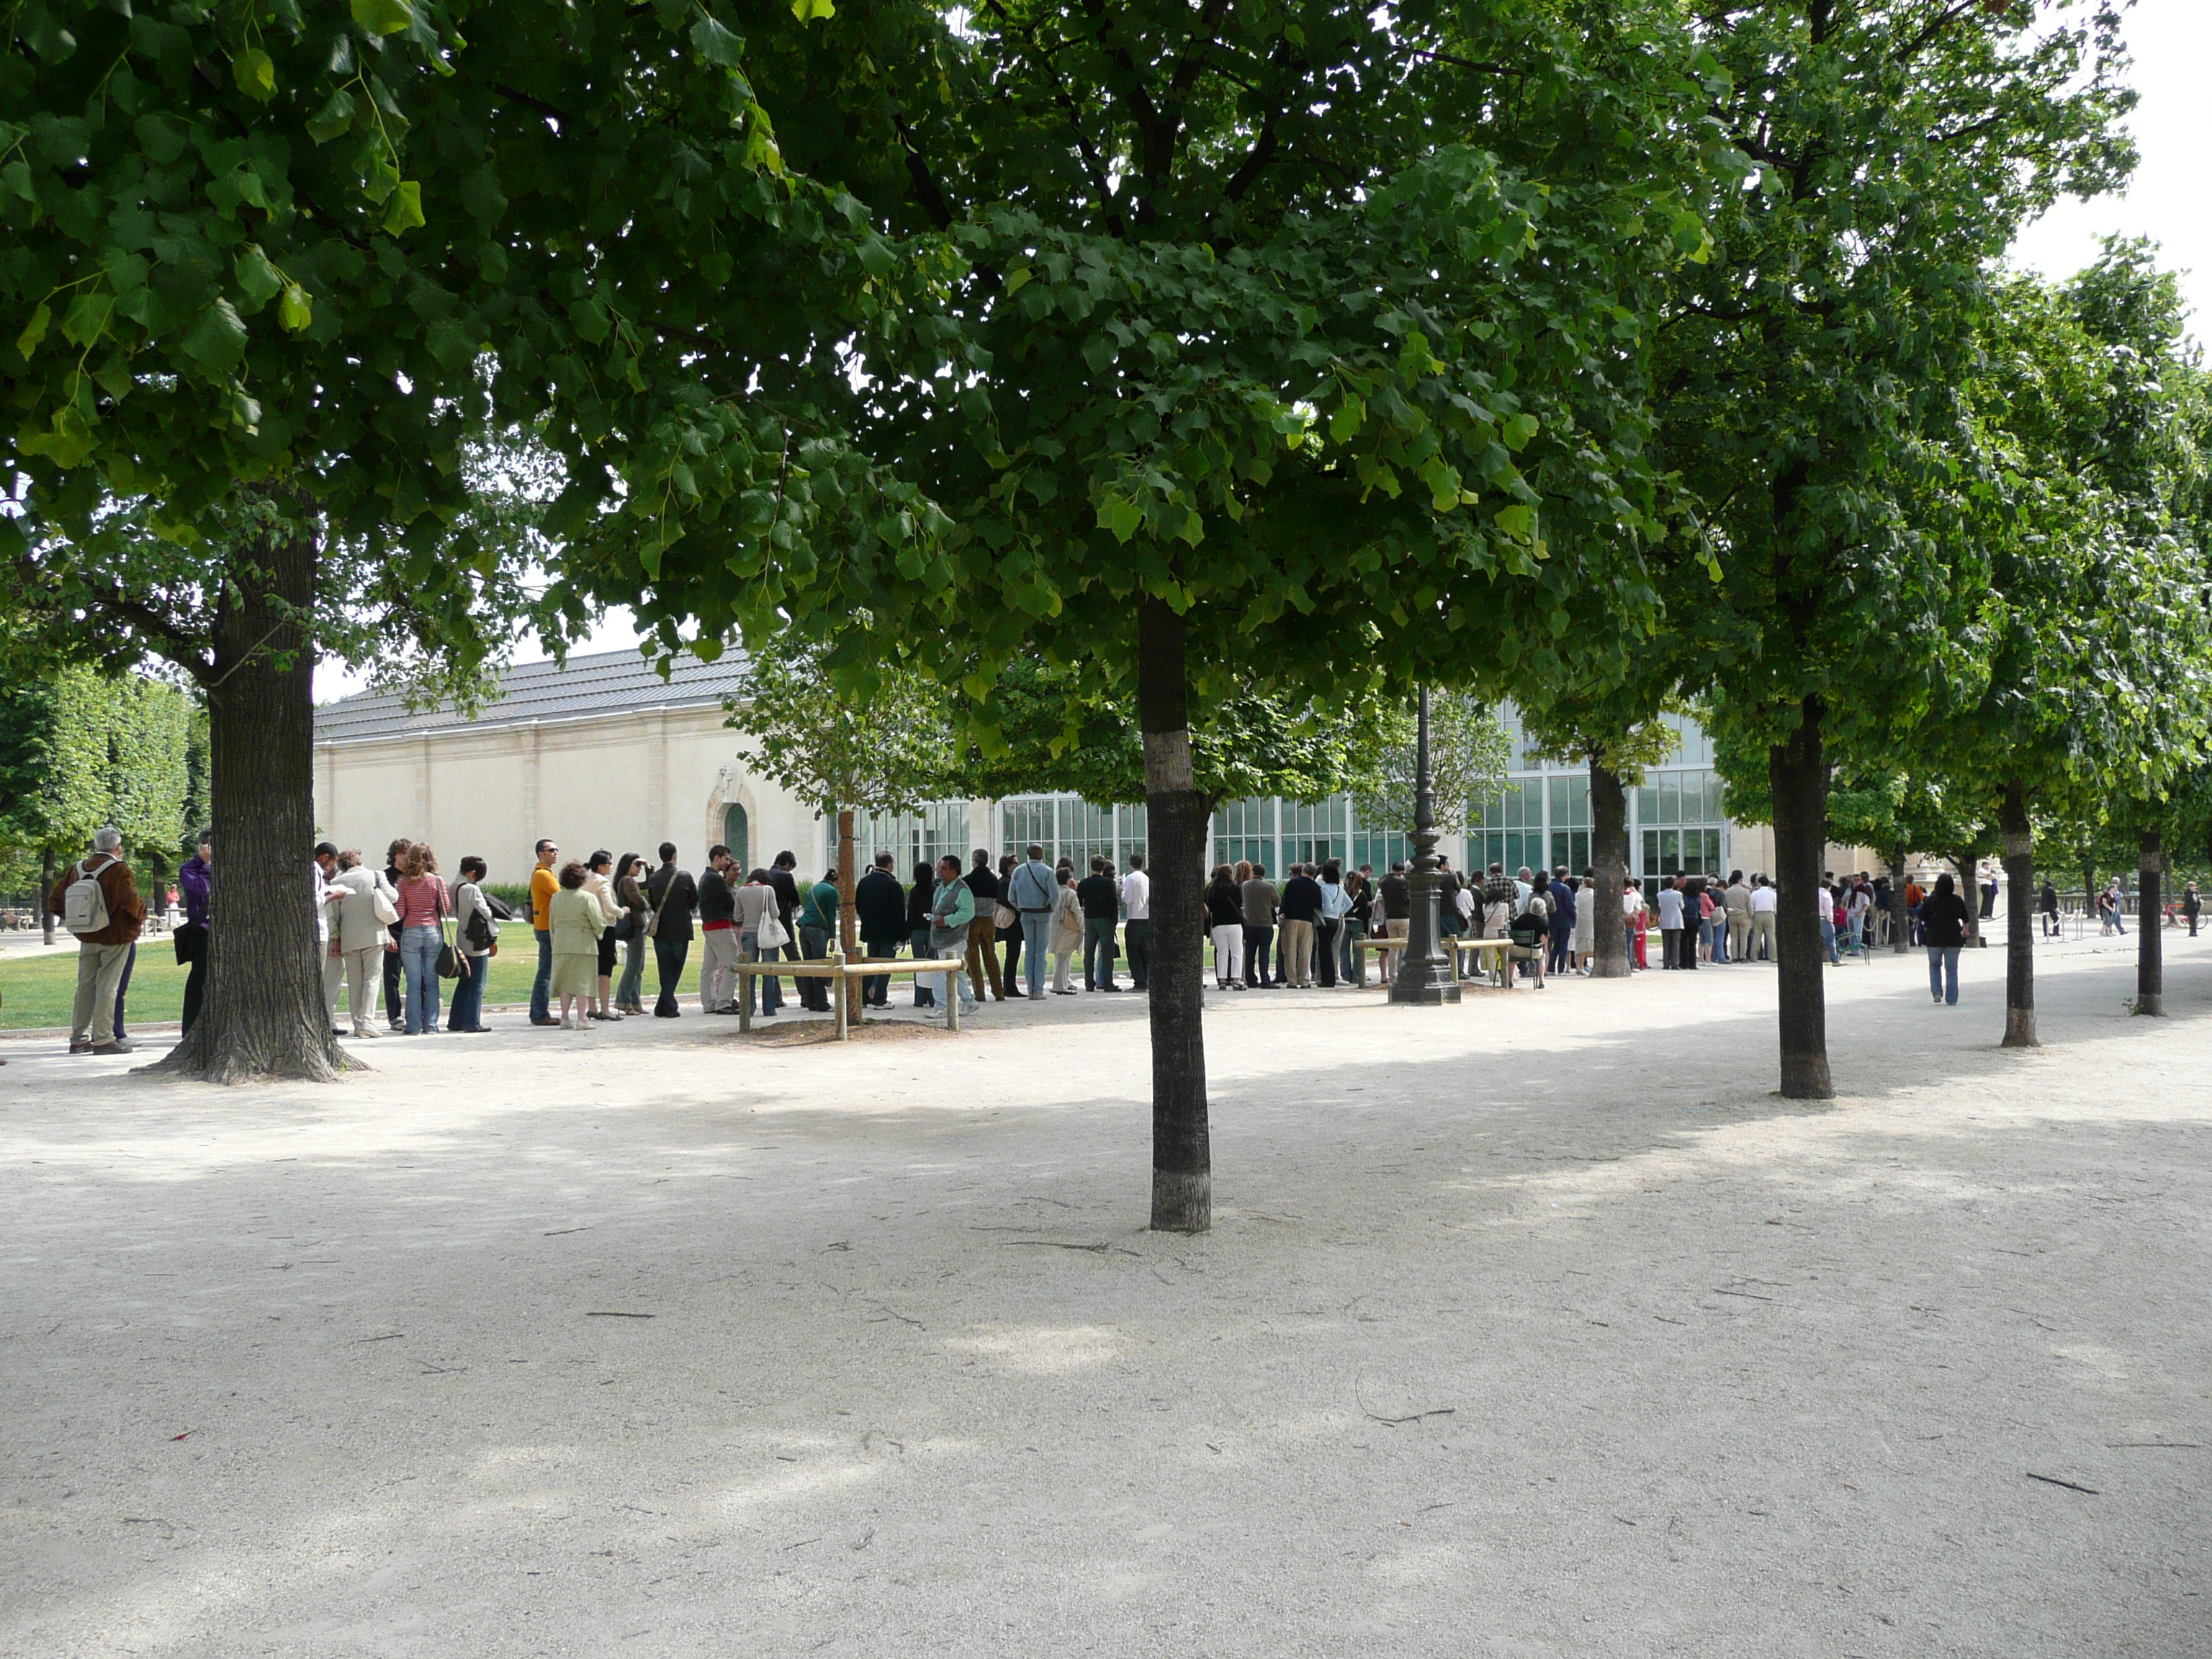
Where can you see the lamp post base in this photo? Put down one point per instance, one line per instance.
(1426, 984)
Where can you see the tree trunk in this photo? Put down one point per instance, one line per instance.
(848, 938)
(1797, 774)
(2019, 918)
(264, 1017)
(45, 888)
(1962, 866)
(1183, 1158)
(2088, 889)
(1900, 913)
(1609, 870)
(2150, 903)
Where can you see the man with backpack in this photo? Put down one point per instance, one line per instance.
(98, 901)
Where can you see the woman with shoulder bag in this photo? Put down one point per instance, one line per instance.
(579, 924)
(598, 882)
(917, 922)
(760, 937)
(424, 905)
(479, 932)
(630, 931)
(1066, 931)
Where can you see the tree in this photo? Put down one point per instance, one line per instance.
(1809, 373)
(1469, 753)
(1279, 348)
(268, 273)
(78, 751)
(1616, 732)
(2093, 660)
(882, 751)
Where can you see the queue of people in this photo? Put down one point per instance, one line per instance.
(1018, 929)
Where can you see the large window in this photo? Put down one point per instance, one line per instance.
(1681, 822)
(1245, 829)
(1511, 828)
(1314, 833)
(1071, 829)
(736, 836)
(938, 829)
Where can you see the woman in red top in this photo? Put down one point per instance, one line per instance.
(424, 905)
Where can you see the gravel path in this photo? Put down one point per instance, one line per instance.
(1537, 1327)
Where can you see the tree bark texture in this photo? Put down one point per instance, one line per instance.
(264, 1015)
(1609, 870)
(2019, 918)
(848, 938)
(1900, 913)
(1970, 889)
(1183, 1158)
(2150, 905)
(1797, 774)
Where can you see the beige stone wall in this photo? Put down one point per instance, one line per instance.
(624, 783)
(1751, 848)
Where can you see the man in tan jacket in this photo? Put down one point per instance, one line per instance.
(105, 933)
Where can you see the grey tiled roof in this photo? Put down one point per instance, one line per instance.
(608, 682)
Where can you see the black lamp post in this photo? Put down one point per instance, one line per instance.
(1425, 974)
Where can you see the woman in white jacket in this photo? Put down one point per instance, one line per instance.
(1066, 933)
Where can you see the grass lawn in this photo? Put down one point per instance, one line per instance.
(39, 990)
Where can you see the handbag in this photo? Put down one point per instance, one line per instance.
(771, 934)
(1004, 917)
(626, 927)
(449, 959)
(380, 900)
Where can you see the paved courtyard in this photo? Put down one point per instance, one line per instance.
(1535, 1327)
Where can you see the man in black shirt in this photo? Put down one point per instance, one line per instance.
(983, 931)
(718, 931)
(880, 910)
(1301, 908)
(1100, 896)
(1396, 894)
(394, 1006)
(786, 902)
(673, 896)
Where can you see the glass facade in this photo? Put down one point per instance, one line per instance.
(1539, 818)
(938, 829)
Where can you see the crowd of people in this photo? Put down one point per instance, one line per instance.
(1017, 928)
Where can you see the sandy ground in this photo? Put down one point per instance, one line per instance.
(1536, 1327)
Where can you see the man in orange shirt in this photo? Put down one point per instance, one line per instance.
(543, 884)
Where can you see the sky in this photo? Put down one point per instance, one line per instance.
(2168, 201)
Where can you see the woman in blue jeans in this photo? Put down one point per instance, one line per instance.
(424, 907)
(1943, 929)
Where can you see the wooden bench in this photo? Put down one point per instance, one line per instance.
(834, 968)
(1459, 950)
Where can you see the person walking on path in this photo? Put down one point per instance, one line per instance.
(718, 935)
(673, 896)
(2049, 908)
(760, 936)
(1101, 897)
(918, 898)
(952, 909)
(1301, 909)
(98, 901)
(817, 929)
(478, 930)
(543, 884)
(2116, 905)
(362, 937)
(1943, 929)
(599, 883)
(1030, 892)
(1137, 922)
(879, 913)
(395, 1001)
(578, 923)
(196, 883)
(424, 905)
(1261, 903)
(2190, 905)
(983, 930)
(629, 893)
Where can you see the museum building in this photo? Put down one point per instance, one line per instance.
(605, 753)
